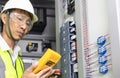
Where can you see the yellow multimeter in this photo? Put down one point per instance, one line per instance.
(49, 59)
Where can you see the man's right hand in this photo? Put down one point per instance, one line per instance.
(45, 73)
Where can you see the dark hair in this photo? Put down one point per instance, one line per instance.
(1, 24)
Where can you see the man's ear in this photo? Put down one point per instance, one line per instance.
(4, 18)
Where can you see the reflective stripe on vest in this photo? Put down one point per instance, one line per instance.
(12, 71)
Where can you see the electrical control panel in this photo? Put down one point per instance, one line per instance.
(86, 52)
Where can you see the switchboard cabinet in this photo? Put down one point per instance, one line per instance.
(86, 53)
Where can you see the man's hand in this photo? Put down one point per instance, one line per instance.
(45, 73)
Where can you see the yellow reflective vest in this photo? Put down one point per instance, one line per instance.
(9, 69)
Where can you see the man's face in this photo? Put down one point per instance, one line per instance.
(19, 22)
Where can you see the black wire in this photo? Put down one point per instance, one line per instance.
(9, 30)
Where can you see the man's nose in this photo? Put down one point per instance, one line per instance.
(24, 25)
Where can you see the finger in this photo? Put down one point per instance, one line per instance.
(32, 67)
(46, 72)
(57, 71)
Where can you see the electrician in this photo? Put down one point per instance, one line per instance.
(17, 17)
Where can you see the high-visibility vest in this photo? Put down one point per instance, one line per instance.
(11, 70)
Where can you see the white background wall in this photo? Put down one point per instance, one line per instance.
(114, 11)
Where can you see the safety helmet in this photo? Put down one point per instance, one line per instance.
(23, 5)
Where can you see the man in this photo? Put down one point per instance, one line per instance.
(17, 17)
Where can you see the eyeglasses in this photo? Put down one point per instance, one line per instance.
(20, 19)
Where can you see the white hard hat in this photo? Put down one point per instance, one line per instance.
(21, 4)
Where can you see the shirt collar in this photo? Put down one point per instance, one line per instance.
(5, 46)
